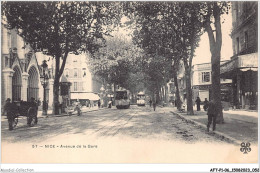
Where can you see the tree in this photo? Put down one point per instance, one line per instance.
(116, 62)
(190, 30)
(171, 30)
(211, 14)
(61, 28)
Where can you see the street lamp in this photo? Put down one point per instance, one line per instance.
(44, 81)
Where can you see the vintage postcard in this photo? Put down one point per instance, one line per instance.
(173, 82)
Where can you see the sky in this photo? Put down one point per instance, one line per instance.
(202, 53)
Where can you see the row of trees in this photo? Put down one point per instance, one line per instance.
(173, 29)
(165, 33)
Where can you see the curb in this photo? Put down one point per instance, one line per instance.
(218, 134)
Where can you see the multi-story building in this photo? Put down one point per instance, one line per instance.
(202, 79)
(84, 85)
(21, 68)
(243, 66)
(21, 71)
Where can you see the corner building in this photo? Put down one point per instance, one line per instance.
(243, 66)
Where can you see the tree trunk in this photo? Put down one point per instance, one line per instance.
(189, 95)
(56, 97)
(56, 86)
(215, 49)
(216, 86)
(177, 92)
(188, 88)
(166, 94)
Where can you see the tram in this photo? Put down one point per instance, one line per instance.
(122, 99)
(140, 99)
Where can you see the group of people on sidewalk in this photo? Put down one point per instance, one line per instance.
(205, 106)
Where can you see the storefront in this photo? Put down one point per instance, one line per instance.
(243, 72)
(204, 91)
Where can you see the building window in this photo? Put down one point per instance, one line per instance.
(75, 73)
(75, 86)
(84, 72)
(246, 39)
(67, 73)
(237, 46)
(205, 77)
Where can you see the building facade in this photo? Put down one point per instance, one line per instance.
(21, 69)
(243, 66)
(202, 80)
(84, 85)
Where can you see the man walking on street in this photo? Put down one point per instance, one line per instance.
(154, 105)
(206, 104)
(99, 103)
(10, 109)
(198, 103)
(212, 115)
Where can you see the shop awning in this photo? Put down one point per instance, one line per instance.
(241, 62)
(85, 96)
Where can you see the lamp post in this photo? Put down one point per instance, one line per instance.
(44, 81)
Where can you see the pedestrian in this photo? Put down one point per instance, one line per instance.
(198, 103)
(150, 102)
(109, 104)
(99, 103)
(154, 104)
(212, 115)
(173, 103)
(10, 108)
(91, 103)
(77, 108)
(206, 104)
(35, 104)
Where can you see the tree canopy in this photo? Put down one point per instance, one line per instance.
(62, 27)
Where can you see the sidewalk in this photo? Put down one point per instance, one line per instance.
(239, 125)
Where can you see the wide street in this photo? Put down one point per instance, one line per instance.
(136, 122)
(135, 135)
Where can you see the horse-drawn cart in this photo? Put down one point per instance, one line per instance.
(22, 108)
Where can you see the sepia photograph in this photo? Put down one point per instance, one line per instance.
(129, 82)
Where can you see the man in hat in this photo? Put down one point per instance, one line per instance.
(212, 115)
(10, 109)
